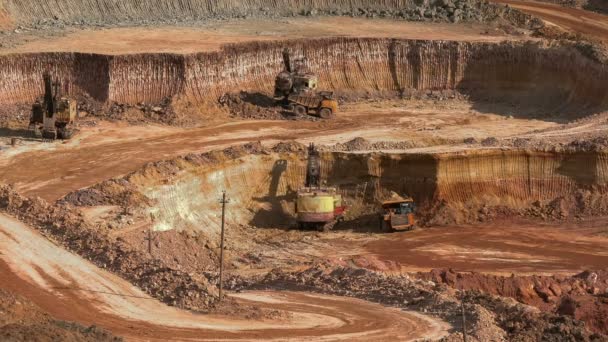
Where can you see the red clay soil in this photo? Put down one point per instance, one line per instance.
(578, 20)
(584, 296)
(21, 320)
(502, 247)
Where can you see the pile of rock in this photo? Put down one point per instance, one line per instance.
(67, 227)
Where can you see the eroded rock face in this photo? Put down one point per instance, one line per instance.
(556, 78)
(448, 187)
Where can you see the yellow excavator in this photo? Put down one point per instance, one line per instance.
(317, 207)
(296, 86)
(53, 116)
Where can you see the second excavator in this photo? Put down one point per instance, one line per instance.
(53, 116)
(296, 87)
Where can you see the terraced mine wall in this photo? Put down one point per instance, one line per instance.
(541, 75)
(448, 188)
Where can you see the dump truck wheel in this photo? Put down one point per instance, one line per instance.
(300, 110)
(385, 227)
(325, 113)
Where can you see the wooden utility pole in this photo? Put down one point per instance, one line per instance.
(464, 322)
(150, 234)
(224, 201)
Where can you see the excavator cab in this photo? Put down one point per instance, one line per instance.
(305, 83)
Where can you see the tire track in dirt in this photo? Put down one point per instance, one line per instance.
(578, 20)
(71, 288)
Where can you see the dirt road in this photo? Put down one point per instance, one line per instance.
(209, 37)
(71, 288)
(51, 170)
(577, 20)
(500, 248)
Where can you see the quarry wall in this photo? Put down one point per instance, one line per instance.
(262, 187)
(544, 75)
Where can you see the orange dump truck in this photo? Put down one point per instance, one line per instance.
(397, 214)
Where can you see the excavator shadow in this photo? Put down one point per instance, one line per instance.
(273, 214)
(258, 99)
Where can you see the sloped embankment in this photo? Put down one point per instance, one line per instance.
(68, 228)
(550, 77)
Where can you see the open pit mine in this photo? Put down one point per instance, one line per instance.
(303, 170)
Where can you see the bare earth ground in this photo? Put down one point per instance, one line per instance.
(500, 248)
(37, 269)
(110, 150)
(573, 19)
(213, 36)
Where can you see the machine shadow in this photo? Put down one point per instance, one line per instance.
(273, 214)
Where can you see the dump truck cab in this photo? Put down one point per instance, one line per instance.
(398, 215)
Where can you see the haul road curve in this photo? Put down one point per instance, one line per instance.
(71, 288)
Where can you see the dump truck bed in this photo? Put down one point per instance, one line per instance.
(310, 101)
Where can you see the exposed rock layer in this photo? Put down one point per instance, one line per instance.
(553, 77)
(449, 187)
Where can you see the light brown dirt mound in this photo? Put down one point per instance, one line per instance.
(21, 320)
(583, 296)
(67, 227)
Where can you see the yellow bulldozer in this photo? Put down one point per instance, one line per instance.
(296, 87)
(397, 214)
